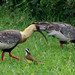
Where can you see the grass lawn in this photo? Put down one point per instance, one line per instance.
(58, 60)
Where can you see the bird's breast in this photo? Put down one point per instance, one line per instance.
(23, 40)
(29, 61)
(58, 35)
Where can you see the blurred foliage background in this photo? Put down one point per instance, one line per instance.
(42, 10)
(18, 14)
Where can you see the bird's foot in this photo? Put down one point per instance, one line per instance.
(2, 55)
(61, 44)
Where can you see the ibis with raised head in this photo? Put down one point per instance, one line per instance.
(64, 32)
(9, 39)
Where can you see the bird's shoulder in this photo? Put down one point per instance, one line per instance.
(10, 33)
(10, 36)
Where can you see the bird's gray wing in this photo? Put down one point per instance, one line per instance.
(68, 32)
(9, 38)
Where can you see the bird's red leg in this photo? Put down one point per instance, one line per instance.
(2, 55)
(13, 56)
(61, 44)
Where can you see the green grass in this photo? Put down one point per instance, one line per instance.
(58, 61)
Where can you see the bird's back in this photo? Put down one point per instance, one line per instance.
(66, 29)
(9, 38)
(30, 57)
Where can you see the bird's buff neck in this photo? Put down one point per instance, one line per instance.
(27, 32)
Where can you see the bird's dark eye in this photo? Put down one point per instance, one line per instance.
(37, 27)
(28, 50)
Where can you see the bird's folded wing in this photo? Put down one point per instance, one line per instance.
(9, 38)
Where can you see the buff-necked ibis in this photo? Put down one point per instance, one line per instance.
(30, 58)
(64, 32)
(9, 39)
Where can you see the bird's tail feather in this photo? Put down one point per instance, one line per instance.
(37, 62)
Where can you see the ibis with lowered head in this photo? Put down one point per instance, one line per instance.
(9, 39)
(64, 32)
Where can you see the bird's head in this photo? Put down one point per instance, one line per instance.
(42, 25)
(37, 28)
(47, 26)
(27, 51)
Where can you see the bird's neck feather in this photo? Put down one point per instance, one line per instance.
(27, 32)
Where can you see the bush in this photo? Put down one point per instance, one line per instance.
(45, 9)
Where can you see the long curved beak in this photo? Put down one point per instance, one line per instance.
(42, 34)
